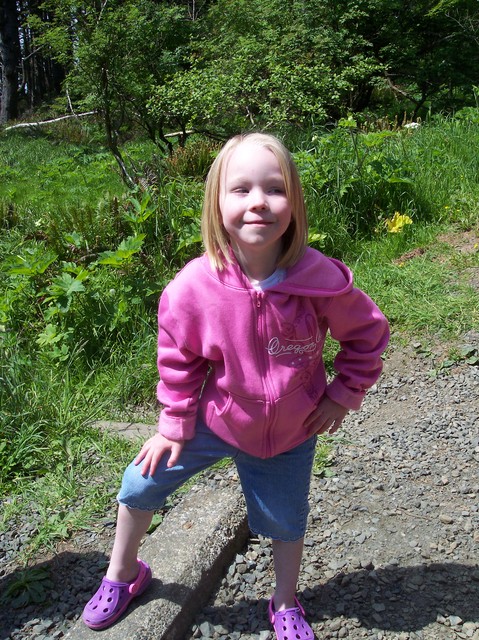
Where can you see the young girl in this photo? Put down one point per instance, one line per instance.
(241, 335)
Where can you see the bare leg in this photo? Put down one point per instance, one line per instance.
(132, 524)
(287, 561)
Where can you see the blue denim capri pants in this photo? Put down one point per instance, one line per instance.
(275, 489)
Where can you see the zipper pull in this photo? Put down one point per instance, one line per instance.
(259, 297)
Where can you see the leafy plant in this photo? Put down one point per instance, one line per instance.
(470, 355)
(62, 288)
(155, 522)
(323, 456)
(140, 211)
(31, 586)
(33, 261)
(123, 255)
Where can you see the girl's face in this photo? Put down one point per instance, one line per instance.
(253, 203)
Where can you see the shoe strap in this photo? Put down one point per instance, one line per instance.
(136, 584)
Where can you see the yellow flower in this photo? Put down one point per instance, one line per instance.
(397, 223)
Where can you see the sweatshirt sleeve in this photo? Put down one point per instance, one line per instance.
(363, 334)
(182, 371)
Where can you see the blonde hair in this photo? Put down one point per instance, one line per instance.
(216, 239)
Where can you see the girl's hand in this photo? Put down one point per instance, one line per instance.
(327, 417)
(154, 449)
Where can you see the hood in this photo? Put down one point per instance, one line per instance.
(314, 275)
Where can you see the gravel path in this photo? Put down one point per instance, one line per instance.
(393, 539)
(392, 544)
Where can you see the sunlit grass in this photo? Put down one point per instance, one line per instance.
(422, 284)
(70, 496)
(43, 175)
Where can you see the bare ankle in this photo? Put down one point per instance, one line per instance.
(283, 603)
(122, 573)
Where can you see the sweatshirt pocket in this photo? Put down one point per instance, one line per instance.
(291, 411)
(259, 427)
(239, 421)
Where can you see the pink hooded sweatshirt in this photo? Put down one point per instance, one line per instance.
(250, 363)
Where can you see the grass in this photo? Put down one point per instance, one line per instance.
(78, 335)
(69, 497)
(423, 284)
(41, 173)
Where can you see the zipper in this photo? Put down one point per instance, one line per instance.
(260, 322)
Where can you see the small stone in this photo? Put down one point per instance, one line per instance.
(207, 629)
(469, 628)
(335, 625)
(445, 519)
(394, 562)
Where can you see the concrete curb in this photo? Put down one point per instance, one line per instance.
(130, 430)
(188, 553)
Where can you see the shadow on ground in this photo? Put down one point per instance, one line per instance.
(398, 599)
(73, 575)
(75, 578)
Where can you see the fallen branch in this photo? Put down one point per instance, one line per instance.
(43, 122)
(23, 125)
(178, 133)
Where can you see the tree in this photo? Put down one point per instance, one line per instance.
(28, 76)
(426, 51)
(42, 75)
(115, 53)
(218, 66)
(9, 60)
(263, 63)
(289, 62)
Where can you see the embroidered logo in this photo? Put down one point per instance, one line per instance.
(283, 347)
(299, 346)
(300, 340)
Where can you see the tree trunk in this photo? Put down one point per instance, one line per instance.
(9, 59)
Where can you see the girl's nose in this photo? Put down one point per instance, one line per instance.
(258, 199)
